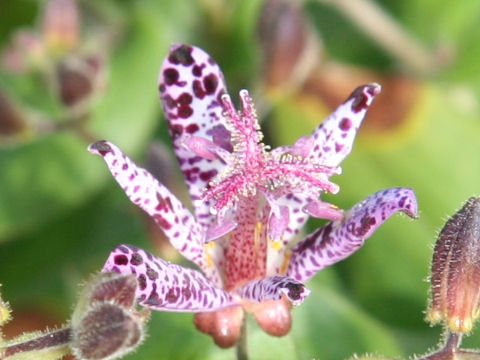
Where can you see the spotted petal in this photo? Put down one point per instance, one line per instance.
(273, 288)
(165, 286)
(339, 239)
(156, 200)
(191, 85)
(334, 137)
(328, 145)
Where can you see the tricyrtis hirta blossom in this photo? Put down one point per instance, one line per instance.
(249, 203)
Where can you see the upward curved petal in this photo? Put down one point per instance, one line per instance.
(156, 200)
(191, 85)
(338, 240)
(332, 141)
(334, 137)
(165, 286)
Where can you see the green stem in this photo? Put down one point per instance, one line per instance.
(242, 341)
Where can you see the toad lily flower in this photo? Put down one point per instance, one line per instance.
(249, 203)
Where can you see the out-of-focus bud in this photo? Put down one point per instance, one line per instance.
(60, 25)
(11, 120)
(290, 47)
(26, 52)
(273, 316)
(224, 326)
(80, 78)
(105, 324)
(455, 278)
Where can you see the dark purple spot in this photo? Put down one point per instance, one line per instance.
(121, 260)
(170, 76)
(198, 89)
(210, 83)
(142, 281)
(151, 274)
(359, 98)
(365, 224)
(161, 88)
(208, 175)
(192, 128)
(338, 147)
(153, 299)
(182, 55)
(136, 259)
(172, 295)
(164, 204)
(197, 70)
(175, 131)
(185, 112)
(345, 124)
(162, 222)
(294, 290)
(184, 99)
(102, 147)
(125, 167)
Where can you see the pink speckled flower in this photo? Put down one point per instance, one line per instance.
(249, 203)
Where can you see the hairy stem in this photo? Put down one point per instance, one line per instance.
(55, 341)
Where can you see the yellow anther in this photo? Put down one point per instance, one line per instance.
(286, 262)
(208, 248)
(276, 245)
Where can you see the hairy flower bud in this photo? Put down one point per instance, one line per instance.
(455, 276)
(105, 323)
(107, 331)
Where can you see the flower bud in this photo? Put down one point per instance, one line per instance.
(11, 120)
(455, 275)
(290, 47)
(105, 324)
(274, 316)
(224, 326)
(79, 78)
(107, 331)
(61, 25)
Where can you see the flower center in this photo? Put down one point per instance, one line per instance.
(251, 168)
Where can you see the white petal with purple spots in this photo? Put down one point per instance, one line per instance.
(156, 200)
(191, 85)
(165, 286)
(338, 240)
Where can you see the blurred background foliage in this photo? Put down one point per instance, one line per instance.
(61, 88)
